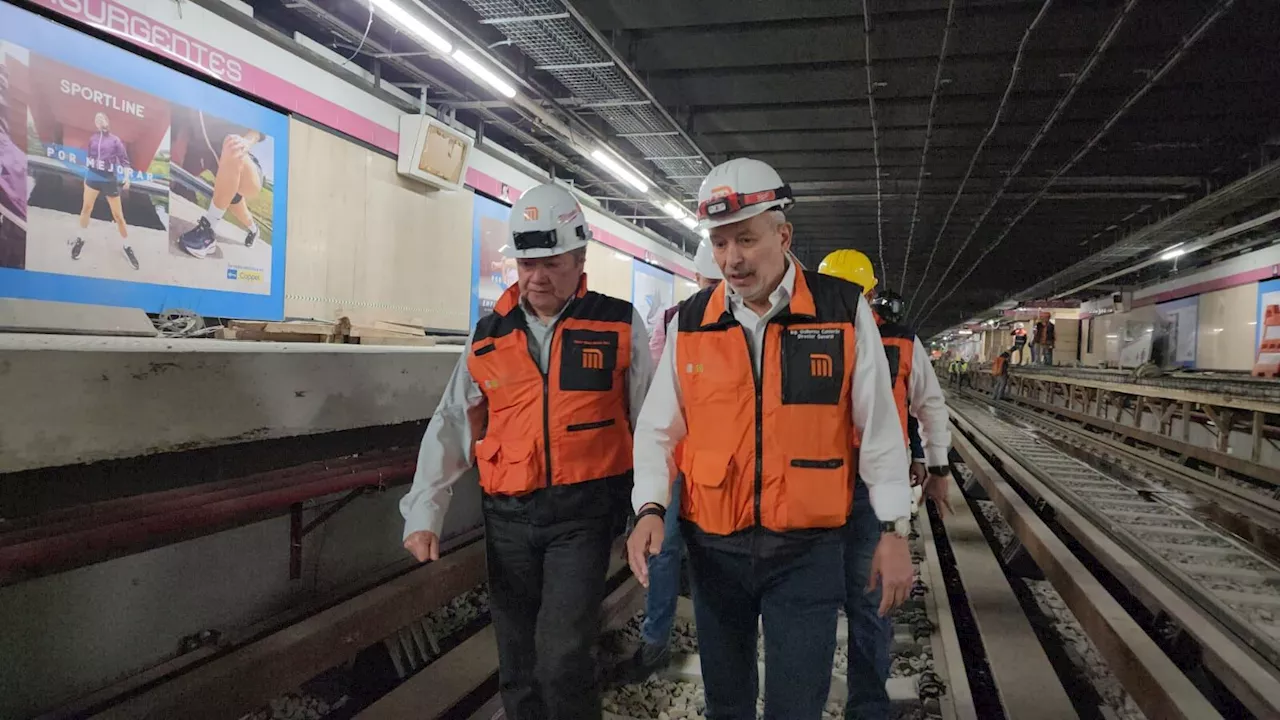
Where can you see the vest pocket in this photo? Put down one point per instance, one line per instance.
(710, 504)
(818, 493)
(507, 468)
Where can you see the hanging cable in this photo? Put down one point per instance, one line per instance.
(995, 123)
(875, 134)
(1076, 83)
(1169, 63)
(367, 26)
(928, 137)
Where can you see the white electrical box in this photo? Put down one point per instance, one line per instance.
(432, 152)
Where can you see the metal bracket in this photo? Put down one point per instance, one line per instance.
(298, 531)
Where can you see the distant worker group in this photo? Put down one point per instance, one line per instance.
(776, 429)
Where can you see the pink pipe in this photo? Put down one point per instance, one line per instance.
(88, 545)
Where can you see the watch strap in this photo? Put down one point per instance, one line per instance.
(658, 510)
(938, 469)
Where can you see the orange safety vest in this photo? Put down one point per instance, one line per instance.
(997, 365)
(569, 425)
(899, 348)
(776, 448)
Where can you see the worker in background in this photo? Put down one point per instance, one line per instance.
(544, 401)
(918, 395)
(664, 568)
(1042, 342)
(766, 382)
(1019, 341)
(1000, 371)
(953, 371)
(963, 373)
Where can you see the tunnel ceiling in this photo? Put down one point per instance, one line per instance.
(1003, 140)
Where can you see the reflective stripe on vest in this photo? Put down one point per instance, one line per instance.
(899, 348)
(569, 425)
(774, 449)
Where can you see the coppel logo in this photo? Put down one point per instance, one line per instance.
(232, 273)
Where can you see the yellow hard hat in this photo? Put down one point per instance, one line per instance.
(850, 265)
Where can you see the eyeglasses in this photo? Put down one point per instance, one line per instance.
(726, 204)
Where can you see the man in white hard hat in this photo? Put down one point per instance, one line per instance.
(543, 401)
(766, 383)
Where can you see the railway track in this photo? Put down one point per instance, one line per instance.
(1212, 585)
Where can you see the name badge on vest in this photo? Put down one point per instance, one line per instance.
(812, 365)
(588, 360)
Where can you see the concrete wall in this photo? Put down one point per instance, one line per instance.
(75, 400)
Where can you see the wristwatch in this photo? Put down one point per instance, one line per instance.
(900, 527)
(939, 469)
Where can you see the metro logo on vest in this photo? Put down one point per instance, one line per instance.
(565, 426)
(774, 448)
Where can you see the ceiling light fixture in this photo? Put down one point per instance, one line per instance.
(674, 210)
(1172, 253)
(413, 25)
(620, 171)
(689, 222)
(489, 77)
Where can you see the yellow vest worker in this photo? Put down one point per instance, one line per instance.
(916, 394)
(769, 380)
(551, 382)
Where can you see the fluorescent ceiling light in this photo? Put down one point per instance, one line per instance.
(1172, 254)
(705, 233)
(413, 25)
(613, 165)
(489, 77)
(1174, 247)
(674, 210)
(689, 222)
(965, 332)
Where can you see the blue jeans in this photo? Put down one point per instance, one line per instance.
(664, 576)
(870, 635)
(794, 585)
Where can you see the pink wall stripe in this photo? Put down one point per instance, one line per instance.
(1230, 281)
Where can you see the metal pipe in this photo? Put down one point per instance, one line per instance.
(977, 152)
(1170, 62)
(521, 19)
(132, 508)
(77, 548)
(1076, 83)
(928, 137)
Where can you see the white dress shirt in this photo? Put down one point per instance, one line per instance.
(448, 447)
(882, 460)
(926, 403)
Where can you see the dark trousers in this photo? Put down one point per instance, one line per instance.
(546, 583)
(796, 588)
(870, 636)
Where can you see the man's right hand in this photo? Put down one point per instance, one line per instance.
(645, 540)
(423, 545)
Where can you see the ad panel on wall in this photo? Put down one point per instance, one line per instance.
(123, 182)
(652, 292)
(1178, 330)
(491, 274)
(1268, 296)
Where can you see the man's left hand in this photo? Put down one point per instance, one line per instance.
(891, 567)
(935, 488)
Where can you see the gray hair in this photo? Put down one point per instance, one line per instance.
(579, 254)
(779, 218)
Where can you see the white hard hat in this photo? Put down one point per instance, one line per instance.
(704, 262)
(740, 190)
(546, 221)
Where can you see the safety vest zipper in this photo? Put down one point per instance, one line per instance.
(755, 377)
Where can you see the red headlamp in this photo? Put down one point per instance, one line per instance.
(733, 202)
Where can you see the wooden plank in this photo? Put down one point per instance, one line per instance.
(1026, 680)
(1194, 396)
(397, 340)
(248, 677)
(1208, 455)
(442, 684)
(1150, 676)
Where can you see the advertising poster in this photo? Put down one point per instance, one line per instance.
(142, 187)
(1268, 294)
(652, 292)
(491, 273)
(1179, 318)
